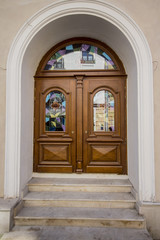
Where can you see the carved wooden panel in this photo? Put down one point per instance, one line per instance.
(104, 154)
(55, 153)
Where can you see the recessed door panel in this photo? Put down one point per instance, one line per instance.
(104, 154)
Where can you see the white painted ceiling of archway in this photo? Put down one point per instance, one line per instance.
(77, 26)
(55, 32)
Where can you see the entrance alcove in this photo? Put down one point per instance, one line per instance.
(75, 26)
(64, 27)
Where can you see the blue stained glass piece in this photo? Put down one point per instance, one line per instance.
(69, 47)
(64, 103)
(106, 56)
(47, 119)
(47, 98)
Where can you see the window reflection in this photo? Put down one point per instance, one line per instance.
(55, 119)
(103, 111)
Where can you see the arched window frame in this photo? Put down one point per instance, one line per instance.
(43, 103)
(103, 130)
(117, 120)
(55, 114)
(119, 66)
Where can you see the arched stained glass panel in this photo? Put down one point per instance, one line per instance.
(55, 119)
(103, 111)
(80, 56)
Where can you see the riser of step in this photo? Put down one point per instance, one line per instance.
(79, 203)
(52, 188)
(21, 221)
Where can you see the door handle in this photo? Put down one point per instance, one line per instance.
(72, 132)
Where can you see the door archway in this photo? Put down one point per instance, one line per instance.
(130, 44)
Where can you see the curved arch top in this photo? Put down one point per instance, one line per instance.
(104, 58)
(144, 78)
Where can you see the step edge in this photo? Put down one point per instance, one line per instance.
(84, 200)
(85, 218)
(86, 185)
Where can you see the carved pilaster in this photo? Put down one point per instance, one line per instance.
(79, 160)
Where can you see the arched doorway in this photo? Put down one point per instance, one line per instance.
(54, 23)
(80, 109)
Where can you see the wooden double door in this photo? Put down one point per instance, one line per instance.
(80, 124)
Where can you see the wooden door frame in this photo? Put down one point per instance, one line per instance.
(119, 72)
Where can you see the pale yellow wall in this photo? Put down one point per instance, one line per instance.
(14, 13)
(2, 128)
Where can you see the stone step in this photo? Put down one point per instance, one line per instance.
(75, 233)
(79, 199)
(76, 185)
(87, 217)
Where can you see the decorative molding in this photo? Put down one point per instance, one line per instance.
(129, 28)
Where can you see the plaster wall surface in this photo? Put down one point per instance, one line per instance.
(13, 16)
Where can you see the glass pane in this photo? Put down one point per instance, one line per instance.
(80, 56)
(103, 111)
(55, 119)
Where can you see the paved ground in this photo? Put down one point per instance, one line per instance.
(75, 233)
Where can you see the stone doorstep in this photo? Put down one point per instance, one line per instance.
(46, 188)
(80, 176)
(79, 181)
(63, 216)
(79, 199)
(86, 185)
(78, 203)
(118, 223)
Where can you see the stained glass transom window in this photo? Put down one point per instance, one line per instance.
(103, 111)
(55, 119)
(80, 56)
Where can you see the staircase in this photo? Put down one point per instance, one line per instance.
(80, 209)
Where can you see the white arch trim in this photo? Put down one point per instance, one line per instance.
(141, 49)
